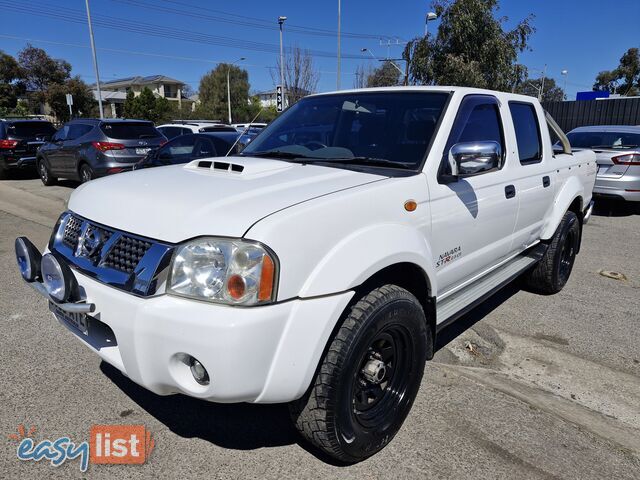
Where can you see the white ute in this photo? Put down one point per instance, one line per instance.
(317, 267)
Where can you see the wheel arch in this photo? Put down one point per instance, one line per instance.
(569, 198)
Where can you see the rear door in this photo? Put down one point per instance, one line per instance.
(473, 218)
(533, 173)
(74, 142)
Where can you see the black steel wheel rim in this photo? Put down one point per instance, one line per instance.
(567, 255)
(374, 403)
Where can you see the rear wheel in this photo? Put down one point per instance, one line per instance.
(86, 173)
(45, 174)
(368, 378)
(551, 274)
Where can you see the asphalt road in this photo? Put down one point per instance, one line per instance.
(525, 386)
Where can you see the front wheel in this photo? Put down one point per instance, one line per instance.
(368, 378)
(552, 272)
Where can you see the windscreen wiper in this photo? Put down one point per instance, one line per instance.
(276, 154)
(382, 162)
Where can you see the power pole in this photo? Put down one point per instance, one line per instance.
(95, 60)
(338, 77)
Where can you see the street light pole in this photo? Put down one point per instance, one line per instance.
(565, 74)
(281, 23)
(95, 60)
(339, 17)
(430, 16)
(229, 86)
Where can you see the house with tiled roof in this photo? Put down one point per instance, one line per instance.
(115, 91)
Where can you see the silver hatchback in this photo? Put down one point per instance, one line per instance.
(617, 149)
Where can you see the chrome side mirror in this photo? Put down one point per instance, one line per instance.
(467, 159)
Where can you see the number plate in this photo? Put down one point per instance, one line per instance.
(79, 321)
(142, 151)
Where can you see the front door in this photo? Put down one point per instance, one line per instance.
(473, 218)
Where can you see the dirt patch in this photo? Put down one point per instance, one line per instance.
(551, 338)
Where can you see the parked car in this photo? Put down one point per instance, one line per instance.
(617, 150)
(85, 148)
(186, 148)
(19, 142)
(255, 125)
(317, 267)
(172, 130)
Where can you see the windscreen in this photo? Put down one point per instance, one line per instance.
(390, 129)
(609, 140)
(30, 129)
(130, 130)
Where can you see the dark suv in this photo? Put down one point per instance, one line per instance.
(19, 142)
(88, 148)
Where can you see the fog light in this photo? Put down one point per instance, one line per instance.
(199, 372)
(57, 278)
(28, 258)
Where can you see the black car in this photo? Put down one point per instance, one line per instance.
(19, 142)
(185, 148)
(84, 148)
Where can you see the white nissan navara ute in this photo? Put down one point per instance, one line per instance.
(317, 267)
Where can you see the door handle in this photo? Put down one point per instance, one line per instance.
(509, 191)
(546, 181)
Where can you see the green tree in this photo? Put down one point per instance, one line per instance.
(84, 104)
(41, 71)
(213, 93)
(471, 47)
(11, 82)
(625, 79)
(551, 93)
(147, 106)
(386, 75)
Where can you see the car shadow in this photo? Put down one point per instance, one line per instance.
(468, 320)
(607, 207)
(237, 426)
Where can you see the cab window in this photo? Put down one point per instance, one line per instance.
(525, 124)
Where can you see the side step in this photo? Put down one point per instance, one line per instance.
(456, 305)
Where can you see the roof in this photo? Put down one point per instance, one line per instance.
(108, 95)
(609, 128)
(108, 120)
(138, 80)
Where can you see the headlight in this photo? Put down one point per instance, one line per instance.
(235, 272)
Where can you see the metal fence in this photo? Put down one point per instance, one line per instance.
(619, 111)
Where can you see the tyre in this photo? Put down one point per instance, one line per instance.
(369, 377)
(45, 174)
(551, 274)
(86, 173)
(3, 173)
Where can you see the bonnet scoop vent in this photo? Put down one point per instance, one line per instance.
(240, 166)
(224, 166)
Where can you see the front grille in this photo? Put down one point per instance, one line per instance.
(122, 260)
(72, 231)
(126, 254)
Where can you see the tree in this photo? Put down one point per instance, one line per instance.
(386, 75)
(551, 93)
(11, 82)
(625, 79)
(84, 105)
(300, 75)
(471, 47)
(213, 92)
(40, 71)
(146, 106)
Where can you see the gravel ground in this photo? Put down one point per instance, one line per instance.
(525, 386)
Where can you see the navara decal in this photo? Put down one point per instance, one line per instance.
(449, 256)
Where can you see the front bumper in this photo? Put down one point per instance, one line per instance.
(265, 354)
(627, 186)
